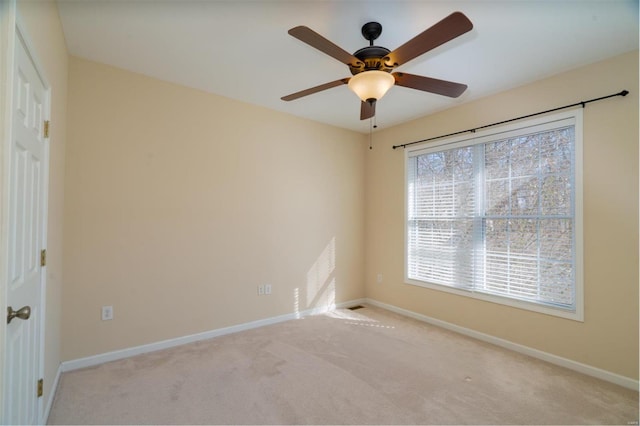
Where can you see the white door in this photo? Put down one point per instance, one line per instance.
(27, 197)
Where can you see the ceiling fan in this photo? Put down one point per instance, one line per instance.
(371, 66)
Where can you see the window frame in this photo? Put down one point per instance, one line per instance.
(496, 133)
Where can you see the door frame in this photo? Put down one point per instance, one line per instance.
(13, 30)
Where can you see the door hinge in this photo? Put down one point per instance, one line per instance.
(40, 387)
(43, 257)
(46, 128)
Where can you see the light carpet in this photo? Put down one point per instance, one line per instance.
(367, 366)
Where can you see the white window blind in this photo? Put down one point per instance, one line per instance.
(496, 215)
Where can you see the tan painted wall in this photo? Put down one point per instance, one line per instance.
(45, 32)
(180, 203)
(608, 338)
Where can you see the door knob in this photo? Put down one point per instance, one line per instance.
(23, 313)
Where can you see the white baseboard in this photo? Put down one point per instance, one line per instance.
(165, 344)
(47, 409)
(535, 353)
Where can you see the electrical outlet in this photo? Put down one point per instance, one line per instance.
(107, 313)
(267, 289)
(379, 278)
(260, 290)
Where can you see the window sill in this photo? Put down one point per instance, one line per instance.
(577, 315)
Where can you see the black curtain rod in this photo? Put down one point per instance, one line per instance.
(583, 103)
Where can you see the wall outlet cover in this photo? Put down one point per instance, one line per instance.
(107, 313)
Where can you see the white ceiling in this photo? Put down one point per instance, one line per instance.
(240, 49)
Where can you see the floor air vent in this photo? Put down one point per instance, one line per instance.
(353, 308)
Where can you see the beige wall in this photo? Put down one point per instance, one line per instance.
(180, 203)
(45, 32)
(608, 338)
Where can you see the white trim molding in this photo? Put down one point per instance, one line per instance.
(178, 341)
(589, 370)
(166, 344)
(54, 388)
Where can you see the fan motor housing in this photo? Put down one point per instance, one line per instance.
(373, 58)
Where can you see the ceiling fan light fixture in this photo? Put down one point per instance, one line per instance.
(371, 84)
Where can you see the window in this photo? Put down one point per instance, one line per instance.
(498, 215)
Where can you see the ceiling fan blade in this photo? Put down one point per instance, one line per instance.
(315, 89)
(449, 28)
(314, 39)
(427, 84)
(367, 110)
